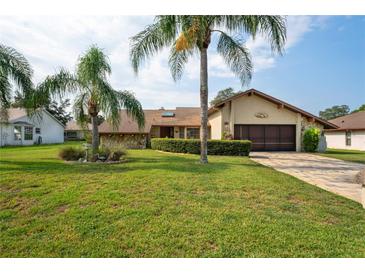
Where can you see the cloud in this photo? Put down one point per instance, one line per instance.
(53, 42)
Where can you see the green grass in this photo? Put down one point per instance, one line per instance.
(167, 205)
(346, 155)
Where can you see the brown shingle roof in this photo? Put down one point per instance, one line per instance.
(16, 113)
(183, 116)
(354, 121)
(73, 125)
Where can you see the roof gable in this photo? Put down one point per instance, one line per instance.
(274, 100)
(16, 114)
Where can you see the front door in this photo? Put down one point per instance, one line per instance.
(166, 132)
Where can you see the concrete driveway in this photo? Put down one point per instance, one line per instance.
(331, 174)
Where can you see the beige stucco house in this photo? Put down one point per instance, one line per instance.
(269, 123)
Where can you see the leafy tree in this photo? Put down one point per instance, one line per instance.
(360, 108)
(93, 92)
(222, 95)
(188, 35)
(58, 110)
(14, 68)
(334, 112)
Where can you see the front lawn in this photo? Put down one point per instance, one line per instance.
(346, 155)
(168, 205)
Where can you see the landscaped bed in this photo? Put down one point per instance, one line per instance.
(167, 205)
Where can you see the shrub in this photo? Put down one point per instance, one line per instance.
(71, 153)
(112, 150)
(215, 147)
(311, 139)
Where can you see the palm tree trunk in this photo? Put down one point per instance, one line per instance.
(95, 134)
(203, 105)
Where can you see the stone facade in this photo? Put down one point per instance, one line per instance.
(130, 141)
(305, 124)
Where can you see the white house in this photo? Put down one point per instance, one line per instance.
(20, 129)
(350, 133)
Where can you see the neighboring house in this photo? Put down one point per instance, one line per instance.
(20, 129)
(350, 133)
(270, 123)
(73, 131)
(182, 122)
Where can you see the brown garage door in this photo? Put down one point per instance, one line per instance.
(267, 137)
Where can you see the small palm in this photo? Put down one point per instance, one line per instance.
(93, 92)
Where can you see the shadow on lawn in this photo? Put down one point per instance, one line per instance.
(153, 163)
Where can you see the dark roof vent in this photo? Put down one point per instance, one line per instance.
(168, 114)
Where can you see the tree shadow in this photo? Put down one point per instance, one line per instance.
(174, 163)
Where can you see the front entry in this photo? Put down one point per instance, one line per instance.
(267, 137)
(166, 132)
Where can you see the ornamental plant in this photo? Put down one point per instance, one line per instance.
(311, 139)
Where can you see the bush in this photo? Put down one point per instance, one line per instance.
(112, 150)
(215, 147)
(71, 153)
(311, 139)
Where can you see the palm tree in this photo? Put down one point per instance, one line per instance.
(14, 68)
(189, 35)
(93, 92)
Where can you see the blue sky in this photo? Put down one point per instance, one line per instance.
(323, 65)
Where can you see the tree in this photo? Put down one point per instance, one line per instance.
(222, 95)
(360, 108)
(58, 110)
(334, 112)
(14, 68)
(188, 35)
(93, 92)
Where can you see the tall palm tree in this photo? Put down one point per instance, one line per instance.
(189, 35)
(14, 68)
(94, 94)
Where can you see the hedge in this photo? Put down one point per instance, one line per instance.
(215, 147)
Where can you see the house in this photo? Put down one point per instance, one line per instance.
(73, 131)
(271, 124)
(20, 129)
(182, 122)
(350, 133)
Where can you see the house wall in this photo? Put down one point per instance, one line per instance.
(51, 131)
(215, 121)
(337, 139)
(244, 110)
(155, 132)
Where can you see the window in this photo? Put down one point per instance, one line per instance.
(348, 138)
(168, 114)
(181, 132)
(37, 130)
(28, 133)
(17, 133)
(71, 134)
(193, 133)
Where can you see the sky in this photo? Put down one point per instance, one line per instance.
(323, 63)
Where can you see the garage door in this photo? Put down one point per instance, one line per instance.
(267, 137)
